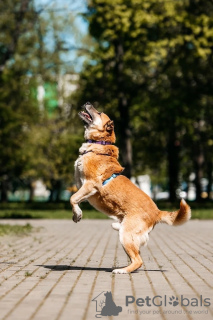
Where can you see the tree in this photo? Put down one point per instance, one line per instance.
(27, 60)
(55, 143)
(151, 58)
(183, 85)
(15, 115)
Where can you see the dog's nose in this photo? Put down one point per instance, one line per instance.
(88, 105)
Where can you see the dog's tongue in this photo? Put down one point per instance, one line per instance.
(86, 115)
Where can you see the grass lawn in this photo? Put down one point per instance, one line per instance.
(39, 210)
(7, 229)
(63, 211)
(48, 214)
(202, 213)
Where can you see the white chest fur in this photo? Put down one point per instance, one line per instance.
(79, 165)
(79, 172)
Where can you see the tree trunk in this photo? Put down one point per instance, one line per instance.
(173, 150)
(31, 187)
(52, 191)
(125, 143)
(209, 173)
(198, 164)
(123, 107)
(4, 188)
(55, 191)
(51, 196)
(58, 190)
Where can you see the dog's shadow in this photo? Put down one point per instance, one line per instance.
(77, 268)
(74, 268)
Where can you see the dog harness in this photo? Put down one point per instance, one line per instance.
(114, 175)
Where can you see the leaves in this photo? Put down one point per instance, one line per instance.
(35, 138)
(157, 56)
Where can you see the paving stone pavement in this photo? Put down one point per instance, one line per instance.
(56, 271)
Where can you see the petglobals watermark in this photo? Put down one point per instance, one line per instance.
(105, 306)
(159, 301)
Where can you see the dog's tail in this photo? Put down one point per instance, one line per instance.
(177, 217)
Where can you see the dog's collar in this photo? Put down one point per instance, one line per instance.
(99, 142)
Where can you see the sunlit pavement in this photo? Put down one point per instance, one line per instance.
(57, 270)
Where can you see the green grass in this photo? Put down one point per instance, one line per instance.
(202, 213)
(63, 210)
(48, 214)
(39, 210)
(7, 229)
(199, 210)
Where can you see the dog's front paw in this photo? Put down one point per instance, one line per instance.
(77, 214)
(121, 271)
(76, 218)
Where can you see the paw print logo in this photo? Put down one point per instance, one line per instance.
(173, 301)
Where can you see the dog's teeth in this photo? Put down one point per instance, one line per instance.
(85, 114)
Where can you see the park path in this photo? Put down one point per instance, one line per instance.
(56, 271)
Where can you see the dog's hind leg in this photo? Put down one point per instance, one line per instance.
(131, 241)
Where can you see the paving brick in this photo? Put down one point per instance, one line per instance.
(55, 272)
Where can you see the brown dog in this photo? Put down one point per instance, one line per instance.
(97, 174)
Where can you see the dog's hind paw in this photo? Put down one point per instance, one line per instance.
(121, 271)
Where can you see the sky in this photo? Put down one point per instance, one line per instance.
(73, 39)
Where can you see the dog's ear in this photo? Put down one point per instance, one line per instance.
(109, 126)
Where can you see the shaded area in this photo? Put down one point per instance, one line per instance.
(17, 215)
(20, 210)
(75, 268)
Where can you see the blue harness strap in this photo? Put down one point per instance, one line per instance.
(114, 175)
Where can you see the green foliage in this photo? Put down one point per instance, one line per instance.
(54, 143)
(151, 70)
(35, 140)
(149, 67)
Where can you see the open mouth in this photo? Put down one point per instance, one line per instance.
(86, 116)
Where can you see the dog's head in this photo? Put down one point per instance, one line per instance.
(98, 125)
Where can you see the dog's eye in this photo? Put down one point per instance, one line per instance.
(99, 113)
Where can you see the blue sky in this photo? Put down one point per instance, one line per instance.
(73, 39)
